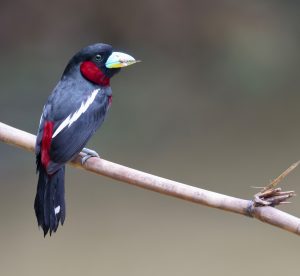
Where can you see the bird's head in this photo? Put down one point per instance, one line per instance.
(98, 63)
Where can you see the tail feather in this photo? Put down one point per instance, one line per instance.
(59, 202)
(49, 202)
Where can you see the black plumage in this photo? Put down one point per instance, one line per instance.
(73, 112)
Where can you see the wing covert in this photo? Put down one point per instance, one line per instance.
(72, 133)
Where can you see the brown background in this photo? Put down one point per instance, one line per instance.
(215, 103)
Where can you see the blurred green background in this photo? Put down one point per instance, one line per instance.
(215, 103)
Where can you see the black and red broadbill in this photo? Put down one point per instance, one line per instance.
(73, 112)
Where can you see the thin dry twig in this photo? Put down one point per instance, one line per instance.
(272, 196)
(161, 185)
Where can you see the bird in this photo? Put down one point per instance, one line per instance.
(75, 109)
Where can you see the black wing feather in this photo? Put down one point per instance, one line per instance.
(72, 139)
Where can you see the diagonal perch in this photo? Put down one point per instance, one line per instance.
(161, 185)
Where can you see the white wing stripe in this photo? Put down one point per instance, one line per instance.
(73, 118)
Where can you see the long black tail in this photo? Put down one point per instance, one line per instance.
(49, 204)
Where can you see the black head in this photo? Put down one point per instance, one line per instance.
(98, 61)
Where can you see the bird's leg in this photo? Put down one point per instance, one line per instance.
(88, 154)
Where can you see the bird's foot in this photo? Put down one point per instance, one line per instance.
(88, 154)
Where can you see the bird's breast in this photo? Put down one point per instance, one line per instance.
(108, 93)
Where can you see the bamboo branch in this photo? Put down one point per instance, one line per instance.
(267, 214)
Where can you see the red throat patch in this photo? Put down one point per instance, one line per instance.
(92, 73)
(46, 143)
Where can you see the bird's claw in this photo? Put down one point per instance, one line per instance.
(88, 154)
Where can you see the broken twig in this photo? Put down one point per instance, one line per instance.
(272, 196)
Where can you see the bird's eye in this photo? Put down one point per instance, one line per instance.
(98, 57)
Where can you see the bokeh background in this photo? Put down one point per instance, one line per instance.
(215, 103)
